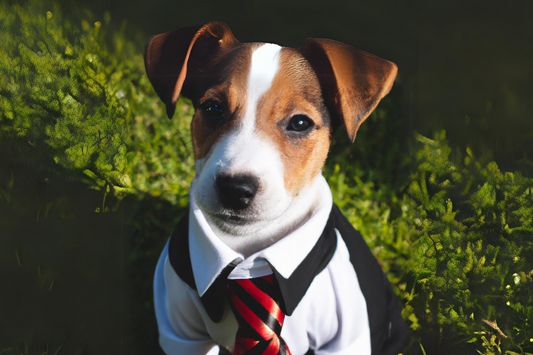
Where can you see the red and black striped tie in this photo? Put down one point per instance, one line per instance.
(255, 305)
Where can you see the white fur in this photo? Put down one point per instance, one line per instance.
(265, 63)
(273, 212)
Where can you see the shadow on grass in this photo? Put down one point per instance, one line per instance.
(75, 281)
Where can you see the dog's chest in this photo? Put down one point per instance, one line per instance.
(333, 303)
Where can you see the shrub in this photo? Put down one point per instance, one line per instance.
(471, 279)
(77, 112)
(57, 96)
(72, 105)
(458, 243)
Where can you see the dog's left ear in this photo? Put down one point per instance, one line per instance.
(353, 82)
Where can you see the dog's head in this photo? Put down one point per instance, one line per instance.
(264, 113)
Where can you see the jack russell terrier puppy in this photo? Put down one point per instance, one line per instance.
(264, 262)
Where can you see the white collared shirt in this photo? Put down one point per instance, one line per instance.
(330, 318)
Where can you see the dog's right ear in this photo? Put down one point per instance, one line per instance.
(175, 60)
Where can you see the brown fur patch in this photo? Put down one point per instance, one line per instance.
(226, 84)
(295, 90)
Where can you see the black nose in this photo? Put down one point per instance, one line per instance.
(236, 191)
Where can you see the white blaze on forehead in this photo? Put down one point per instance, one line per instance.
(265, 63)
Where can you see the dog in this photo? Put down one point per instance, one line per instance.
(259, 205)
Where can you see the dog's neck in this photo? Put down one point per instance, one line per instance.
(249, 241)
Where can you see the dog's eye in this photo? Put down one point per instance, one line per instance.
(300, 123)
(213, 109)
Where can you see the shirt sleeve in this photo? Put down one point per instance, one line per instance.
(353, 334)
(181, 327)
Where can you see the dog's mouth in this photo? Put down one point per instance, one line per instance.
(228, 217)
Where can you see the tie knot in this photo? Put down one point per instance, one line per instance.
(255, 303)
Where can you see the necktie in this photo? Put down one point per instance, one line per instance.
(255, 305)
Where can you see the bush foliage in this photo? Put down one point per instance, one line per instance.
(459, 245)
(455, 234)
(472, 276)
(79, 96)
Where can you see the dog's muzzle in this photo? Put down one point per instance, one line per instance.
(236, 192)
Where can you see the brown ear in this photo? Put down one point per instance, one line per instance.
(352, 81)
(185, 53)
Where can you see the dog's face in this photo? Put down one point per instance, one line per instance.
(260, 135)
(264, 114)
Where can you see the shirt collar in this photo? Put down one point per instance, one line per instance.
(210, 256)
